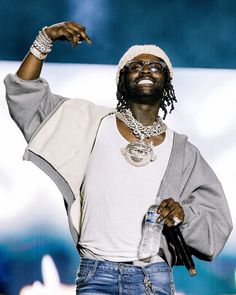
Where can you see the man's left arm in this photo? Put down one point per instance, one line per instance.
(202, 209)
(207, 223)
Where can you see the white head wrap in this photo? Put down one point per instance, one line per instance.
(142, 49)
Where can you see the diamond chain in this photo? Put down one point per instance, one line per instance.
(139, 130)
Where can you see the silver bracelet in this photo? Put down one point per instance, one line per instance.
(42, 45)
(39, 55)
(49, 40)
(42, 42)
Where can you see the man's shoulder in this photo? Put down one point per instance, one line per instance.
(84, 104)
(183, 141)
(73, 111)
(184, 149)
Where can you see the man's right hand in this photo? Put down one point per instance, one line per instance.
(69, 31)
(30, 68)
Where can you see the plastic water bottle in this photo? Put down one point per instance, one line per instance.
(150, 242)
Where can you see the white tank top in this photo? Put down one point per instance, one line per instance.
(116, 195)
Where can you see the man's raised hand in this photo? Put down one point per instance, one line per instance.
(69, 31)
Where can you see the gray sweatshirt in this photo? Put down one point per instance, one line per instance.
(61, 132)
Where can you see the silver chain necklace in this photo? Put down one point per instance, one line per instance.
(140, 153)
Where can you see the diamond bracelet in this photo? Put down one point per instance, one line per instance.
(42, 45)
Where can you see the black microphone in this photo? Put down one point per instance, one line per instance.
(182, 249)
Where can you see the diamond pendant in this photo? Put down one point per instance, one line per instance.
(139, 153)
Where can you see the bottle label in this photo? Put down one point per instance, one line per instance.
(151, 217)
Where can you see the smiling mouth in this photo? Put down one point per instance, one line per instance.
(145, 82)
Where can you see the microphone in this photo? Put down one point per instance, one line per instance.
(182, 249)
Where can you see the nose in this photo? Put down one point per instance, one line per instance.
(145, 69)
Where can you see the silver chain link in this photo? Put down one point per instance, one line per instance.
(138, 129)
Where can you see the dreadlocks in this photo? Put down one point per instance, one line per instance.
(168, 95)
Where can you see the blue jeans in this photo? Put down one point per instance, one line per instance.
(112, 278)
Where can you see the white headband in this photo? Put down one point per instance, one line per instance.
(142, 49)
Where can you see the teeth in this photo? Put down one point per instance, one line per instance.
(145, 81)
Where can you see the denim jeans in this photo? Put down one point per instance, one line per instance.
(112, 278)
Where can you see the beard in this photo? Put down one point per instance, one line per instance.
(148, 96)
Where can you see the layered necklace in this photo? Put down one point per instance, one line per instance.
(140, 153)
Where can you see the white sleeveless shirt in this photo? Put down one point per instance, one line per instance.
(116, 195)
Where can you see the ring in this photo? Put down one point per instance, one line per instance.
(176, 221)
(79, 37)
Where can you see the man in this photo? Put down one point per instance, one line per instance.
(112, 165)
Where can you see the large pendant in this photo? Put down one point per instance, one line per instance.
(139, 153)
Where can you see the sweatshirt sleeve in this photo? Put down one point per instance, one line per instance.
(29, 102)
(207, 223)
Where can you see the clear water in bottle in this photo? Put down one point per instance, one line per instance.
(152, 229)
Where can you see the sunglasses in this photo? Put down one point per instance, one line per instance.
(153, 66)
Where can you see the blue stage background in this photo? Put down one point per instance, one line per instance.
(194, 33)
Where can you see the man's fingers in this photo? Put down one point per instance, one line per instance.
(165, 204)
(75, 41)
(176, 220)
(85, 37)
(79, 30)
(70, 38)
(88, 40)
(169, 210)
(70, 31)
(169, 221)
(77, 36)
